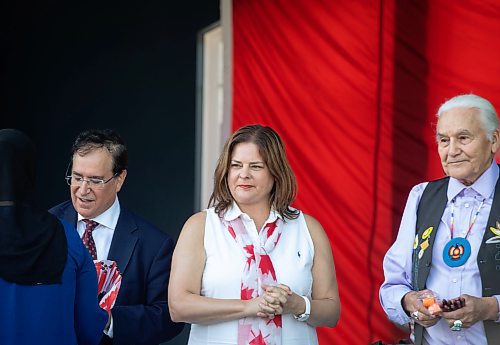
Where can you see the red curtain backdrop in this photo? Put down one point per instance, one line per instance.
(352, 87)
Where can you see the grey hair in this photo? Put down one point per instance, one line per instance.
(487, 112)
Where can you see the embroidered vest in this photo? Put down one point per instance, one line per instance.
(429, 213)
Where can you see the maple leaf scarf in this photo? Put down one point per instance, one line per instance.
(258, 272)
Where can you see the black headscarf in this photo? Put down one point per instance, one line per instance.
(33, 247)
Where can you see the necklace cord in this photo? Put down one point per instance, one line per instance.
(473, 220)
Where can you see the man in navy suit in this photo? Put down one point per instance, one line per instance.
(142, 252)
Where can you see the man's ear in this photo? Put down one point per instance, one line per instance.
(120, 180)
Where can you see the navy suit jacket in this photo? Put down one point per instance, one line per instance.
(143, 254)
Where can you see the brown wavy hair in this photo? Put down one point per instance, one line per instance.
(272, 150)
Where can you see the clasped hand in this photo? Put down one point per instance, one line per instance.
(274, 301)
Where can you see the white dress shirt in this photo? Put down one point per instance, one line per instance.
(103, 233)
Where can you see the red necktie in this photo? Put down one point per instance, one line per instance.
(87, 238)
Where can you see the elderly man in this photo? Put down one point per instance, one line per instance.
(448, 242)
(110, 231)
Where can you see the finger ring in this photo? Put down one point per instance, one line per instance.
(415, 315)
(457, 325)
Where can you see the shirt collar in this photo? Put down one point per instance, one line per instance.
(108, 218)
(484, 185)
(234, 212)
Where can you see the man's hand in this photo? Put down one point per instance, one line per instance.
(413, 306)
(475, 309)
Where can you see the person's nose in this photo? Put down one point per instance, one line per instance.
(244, 172)
(454, 148)
(84, 188)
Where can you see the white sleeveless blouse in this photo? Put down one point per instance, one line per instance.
(292, 259)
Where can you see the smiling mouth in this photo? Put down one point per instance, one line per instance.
(85, 200)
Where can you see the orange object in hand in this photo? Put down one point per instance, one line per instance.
(434, 309)
(428, 301)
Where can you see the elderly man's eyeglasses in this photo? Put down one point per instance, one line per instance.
(98, 183)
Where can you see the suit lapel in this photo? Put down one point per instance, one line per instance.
(124, 240)
(124, 237)
(69, 215)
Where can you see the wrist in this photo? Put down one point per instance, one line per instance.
(403, 304)
(249, 307)
(304, 316)
(298, 306)
(492, 308)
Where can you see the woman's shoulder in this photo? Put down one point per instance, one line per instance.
(201, 218)
(193, 233)
(195, 224)
(197, 218)
(314, 226)
(310, 220)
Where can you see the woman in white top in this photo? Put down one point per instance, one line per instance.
(251, 270)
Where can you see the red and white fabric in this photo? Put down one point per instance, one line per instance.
(258, 273)
(292, 260)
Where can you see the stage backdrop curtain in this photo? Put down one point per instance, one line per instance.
(352, 87)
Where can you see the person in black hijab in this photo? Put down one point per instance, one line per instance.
(33, 246)
(48, 283)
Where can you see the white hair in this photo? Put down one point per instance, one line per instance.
(487, 112)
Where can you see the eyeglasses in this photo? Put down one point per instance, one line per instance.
(97, 183)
